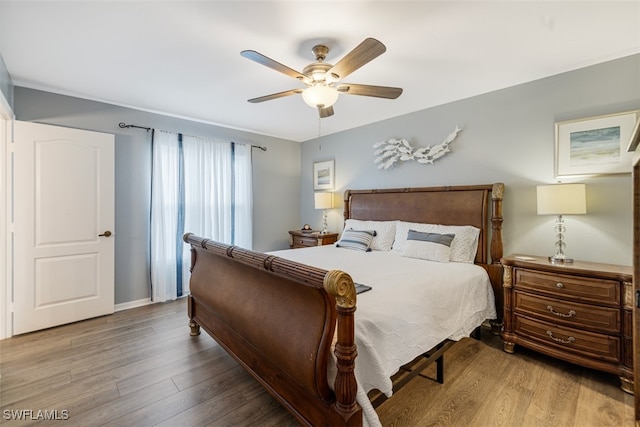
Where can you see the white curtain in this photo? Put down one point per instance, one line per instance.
(243, 204)
(202, 186)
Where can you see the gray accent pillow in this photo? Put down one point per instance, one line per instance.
(428, 246)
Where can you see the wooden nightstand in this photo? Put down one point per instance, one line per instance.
(299, 239)
(579, 312)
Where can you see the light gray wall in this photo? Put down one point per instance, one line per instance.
(276, 176)
(508, 136)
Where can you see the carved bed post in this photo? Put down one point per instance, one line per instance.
(193, 326)
(340, 285)
(496, 223)
(347, 196)
(496, 249)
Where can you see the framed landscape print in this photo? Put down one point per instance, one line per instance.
(323, 173)
(594, 145)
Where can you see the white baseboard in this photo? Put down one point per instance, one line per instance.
(132, 304)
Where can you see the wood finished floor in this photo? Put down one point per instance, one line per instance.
(140, 367)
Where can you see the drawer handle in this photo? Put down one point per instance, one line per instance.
(560, 285)
(560, 340)
(571, 313)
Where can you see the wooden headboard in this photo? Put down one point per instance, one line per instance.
(477, 205)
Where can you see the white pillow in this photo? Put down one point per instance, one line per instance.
(359, 240)
(463, 247)
(385, 232)
(429, 246)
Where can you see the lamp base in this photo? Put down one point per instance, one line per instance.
(324, 222)
(560, 259)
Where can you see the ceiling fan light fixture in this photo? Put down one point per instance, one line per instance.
(323, 79)
(320, 95)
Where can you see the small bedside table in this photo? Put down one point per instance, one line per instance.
(579, 312)
(299, 239)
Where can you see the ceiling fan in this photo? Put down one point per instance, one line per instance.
(323, 80)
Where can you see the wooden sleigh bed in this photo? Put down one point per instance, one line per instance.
(282, 320)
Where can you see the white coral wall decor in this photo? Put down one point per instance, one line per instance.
(393, 150)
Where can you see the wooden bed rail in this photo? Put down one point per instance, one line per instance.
(238, 296)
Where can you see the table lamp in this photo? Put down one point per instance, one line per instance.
(561, 199)
(324, 201)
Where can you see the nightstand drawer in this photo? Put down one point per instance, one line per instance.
(584, 289)
(569, 313)
(300, 239)
(305, 241)
(598, 346)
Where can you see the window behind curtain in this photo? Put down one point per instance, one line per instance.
(202, 186)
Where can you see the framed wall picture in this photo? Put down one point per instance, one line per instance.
(323, 173)
(594, 145)
(635, 137)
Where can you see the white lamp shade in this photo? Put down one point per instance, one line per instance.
(562, 199)
(323, 200)
(320, 95)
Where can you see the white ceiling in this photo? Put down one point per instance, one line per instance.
(182, 58)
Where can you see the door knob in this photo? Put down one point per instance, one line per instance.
(105, 234)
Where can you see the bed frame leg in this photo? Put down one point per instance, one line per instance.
(195, 328)
(440, 370)
(496, 326)
(477, 333)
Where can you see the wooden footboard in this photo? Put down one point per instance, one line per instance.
(277, 318)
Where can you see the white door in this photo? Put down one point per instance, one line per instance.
(63, 225)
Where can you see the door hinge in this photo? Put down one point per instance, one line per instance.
(638, 298)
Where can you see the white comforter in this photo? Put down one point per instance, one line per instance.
(413, 305)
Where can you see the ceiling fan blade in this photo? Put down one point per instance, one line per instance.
(367, 90)
(325, 112)
(366, 51)
(266, 61)
(275, 95)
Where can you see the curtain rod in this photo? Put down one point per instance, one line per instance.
(124, 125)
